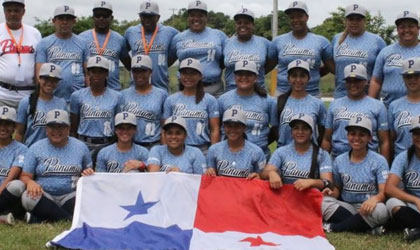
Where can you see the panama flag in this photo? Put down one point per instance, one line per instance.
(183, 211)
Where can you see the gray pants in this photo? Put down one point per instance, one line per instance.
(394, 202)
(379, 216)
(216, 89)
(29, 203)
(9, 103)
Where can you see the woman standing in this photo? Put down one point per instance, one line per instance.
(246, 46)
(204, 44)
(260, 109)
(386, 73)
(32, 110)
(354, 45)
(199, 109)
(300, 43)
(235, 156)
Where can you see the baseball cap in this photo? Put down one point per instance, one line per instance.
(141, 62)
(125, 118)
(296, 5)
(175, 120)
(7, 113)
(190, 63)
(197, 5)
(307, 119)
(298, 63)
(355, 9)
(406, 14)
(246, 65)
(360, 122)
(411, 66)
(64, 10)
(244, 12)
(14, 1)
(234, 115)
(50, 70)
(58, 116)
(102, 5)
(415, 123)
(149, 8)
(355, 71)
(98, 62)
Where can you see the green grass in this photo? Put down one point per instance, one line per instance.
(33, 237)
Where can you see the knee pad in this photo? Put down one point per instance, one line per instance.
(16, 188)
(28, 203)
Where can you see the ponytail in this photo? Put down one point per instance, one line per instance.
(314, 171)
(410, 153)
(199, 92)
(343, 37)
(259, 90)
(33, 101)
(281, 102)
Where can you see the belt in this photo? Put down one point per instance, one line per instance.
(147, 144)
(15, 88)
(96, 140)
(208, 83)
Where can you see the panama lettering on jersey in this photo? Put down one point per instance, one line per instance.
(58, 54)
(181, 110)
(89, 112)
(226, 168)
(412, 180)
(344, 50)
(137, 110)
(344, 114)
(292, 49)
(53, 167)
(236, 56)
(138, 46)
(290, 170)
(357, 187)
(7, 46)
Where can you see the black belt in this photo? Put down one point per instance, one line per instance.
(15, 88)
(147, 144)
(208, 83)
(96, 140)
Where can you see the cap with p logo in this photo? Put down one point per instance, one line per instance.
(58, 116)
(360, 121)
(98, 62)
(64, 10)
(355, 9)
(298, 63)
(141, 62)
(411, 66)
(175, 120)
(244, 12)
(197, 5)
(190, 63)
(406, 14)
(234, 115)
(7, 113)
(102, 5)
(50, 70)
(149, 8)
(246, 65)
(297, 5)
(354, 70)
(125, 118)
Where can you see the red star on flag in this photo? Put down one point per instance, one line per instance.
(255, 242)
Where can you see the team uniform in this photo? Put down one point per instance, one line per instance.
(70, 54)
(206, 46)
(360, 50)
(292, 166)
(115, 49)
(190, 161)
(400, 113)
(160, 51)
(250, 159)
(257, 49)
(260, 113)
(10, 71)
(339, 114)
(388, 69)
(111, 159)
(358, 182)
(313, 49)
(13, 155)
(148, 109)
(307, 105)
(197, 115)
(35, 124)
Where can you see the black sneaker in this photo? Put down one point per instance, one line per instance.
(31, 219)
(327, 227)
(411, 234)
(377, 231)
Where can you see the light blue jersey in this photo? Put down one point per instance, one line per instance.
(313, 49)
(256, 49)
(339, 114)
(148, 109)
(261, 112)
(409, 174)
(191, 161)
(399, 118)
(13, 155)
(388, 69)
(116, 49)
(250, 159)
(35, 125)
(359, 181)
(112, 160)
(197, 116)
(293, 166)
(308, 105)
(70, 54)
(96, 113)
(206, 46)
(159, 53)
(360, 50)
(55, 169)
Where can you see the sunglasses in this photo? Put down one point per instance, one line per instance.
(103, 15)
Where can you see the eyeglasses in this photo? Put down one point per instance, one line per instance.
(103, 15)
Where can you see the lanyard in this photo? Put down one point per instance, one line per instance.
(18, 45)
(146, 46)
(100, 49)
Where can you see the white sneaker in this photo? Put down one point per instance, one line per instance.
(27, 217)
(7, 219)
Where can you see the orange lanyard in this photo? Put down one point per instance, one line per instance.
(146, 46)
(100, 49)
(18, 45)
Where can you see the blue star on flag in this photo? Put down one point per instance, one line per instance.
(140, 207)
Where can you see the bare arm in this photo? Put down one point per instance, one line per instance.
(19, 132)
(269, 65)
(326, 140)
(375, 87)
(37, 68)
(392, 190)
(74, 120)
(214, 130)
(384, 145)
(14, 173)
(153, 168)
(32, 187)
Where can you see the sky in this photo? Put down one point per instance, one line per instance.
(128, 9)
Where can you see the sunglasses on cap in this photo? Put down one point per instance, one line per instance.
(103, 15)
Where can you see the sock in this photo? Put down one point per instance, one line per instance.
(407, 217)
(46, 209)
(7, 200)
(339, 215)
(353, 223)
(69, 206)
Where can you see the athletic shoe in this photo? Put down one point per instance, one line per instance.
(411, 234)
(377, 231)
(7, 219)
(327, 227)
(31, 219)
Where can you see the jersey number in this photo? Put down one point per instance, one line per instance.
(211, 54)
(257, 129)
(150, 129)
(161, 60)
